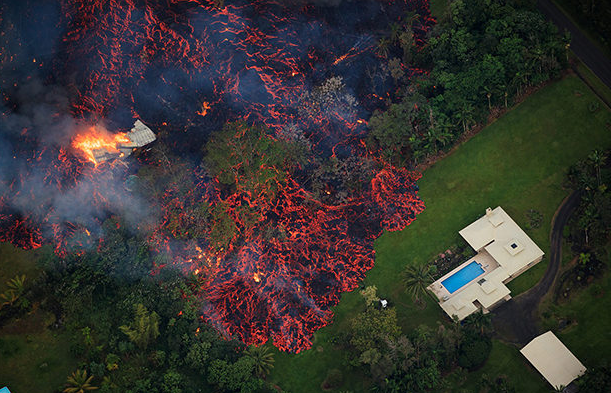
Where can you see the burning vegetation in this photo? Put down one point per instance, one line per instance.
(267, 192)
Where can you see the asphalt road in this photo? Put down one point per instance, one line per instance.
(587, 52)
(516, 320)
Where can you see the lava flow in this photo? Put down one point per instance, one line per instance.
(296, 73)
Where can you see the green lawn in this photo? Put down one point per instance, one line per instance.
(15, 261)
(506, 360)
(519, 163)
(32, 358)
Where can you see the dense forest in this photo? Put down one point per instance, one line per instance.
(482, 57)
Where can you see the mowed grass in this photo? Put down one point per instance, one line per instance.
(32, 358)
(519, 163)
(507, 361)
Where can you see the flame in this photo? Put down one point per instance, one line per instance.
(205, 107)
(96, 138)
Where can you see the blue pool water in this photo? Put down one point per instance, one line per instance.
(463, 277)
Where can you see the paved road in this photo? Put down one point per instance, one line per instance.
(516, 320)
(581, 46)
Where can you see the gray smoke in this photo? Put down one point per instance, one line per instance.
(35, 127)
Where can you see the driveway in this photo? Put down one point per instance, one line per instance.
(516, 320)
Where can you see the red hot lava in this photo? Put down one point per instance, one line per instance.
(192, 66)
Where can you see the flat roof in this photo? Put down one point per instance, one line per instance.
(504, 240)
(553, 360)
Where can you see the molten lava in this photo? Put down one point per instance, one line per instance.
(309, 74)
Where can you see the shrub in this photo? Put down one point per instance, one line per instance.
(474, 352)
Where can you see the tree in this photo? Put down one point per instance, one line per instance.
(145, 327)
(597, 160)
(78, 382)
(197, 357)
(236, 376)
(416, 279)
(372, 328)
(370, 295)
(383, 48)
(479, 322)
(263, 360)
(474, 351)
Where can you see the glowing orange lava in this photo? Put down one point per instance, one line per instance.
(97, 138)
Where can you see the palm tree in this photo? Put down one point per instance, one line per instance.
(383, 47)
(263, 359)
(416, 279)
(78, 382)
(16, 287)
(145, 327)
(597, 160)
(479, 321)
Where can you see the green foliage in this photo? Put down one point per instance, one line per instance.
(370, 295)
(233, 377)
(482, 55)
(246, 157)
(373, 326)
(416, 279)
(197, 357)
(172, 381)
(248, 162)
(474, 351)
(145, 327)
(13, 295)
(479, 323)
(262, 359)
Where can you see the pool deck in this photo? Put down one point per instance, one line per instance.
(483, 258)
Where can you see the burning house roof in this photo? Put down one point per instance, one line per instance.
(122, 145)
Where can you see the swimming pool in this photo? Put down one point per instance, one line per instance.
(463, 277)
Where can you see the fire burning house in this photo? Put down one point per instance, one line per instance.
(140, 135)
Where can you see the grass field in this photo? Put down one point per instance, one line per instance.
(518, 162)
(32, 358)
